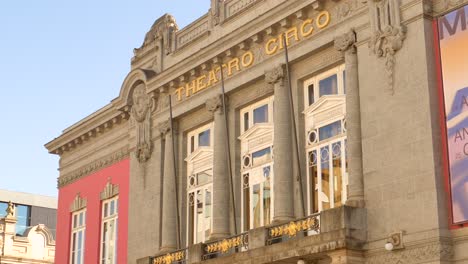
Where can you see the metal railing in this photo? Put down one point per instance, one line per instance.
(226, 246)
(298, 228)
(174, 257)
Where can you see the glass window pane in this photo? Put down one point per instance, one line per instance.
(260, 114)
(328, 86)
(256, 205)
(207, 213)
(313, 181)
(191, 218)
(192, 144)
(106, 206)
(204, 177)
(330, 130)
(22, 218)
(246, 121)
(311, 94)
(247, 209)
(337, 173)
(266, 201)
(344, 82)
(324, 162)
(3, 207)
(112, 207)
(199, 217)
(261, 156)
(204, 138)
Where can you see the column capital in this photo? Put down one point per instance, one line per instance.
(215, 104)
(165, 127)
(346, 41)
(276, 74)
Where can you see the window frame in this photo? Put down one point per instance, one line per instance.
(247, 152)
(321, 106)
(315, 80)
(106, 219)
(76, 230)
(194, 167)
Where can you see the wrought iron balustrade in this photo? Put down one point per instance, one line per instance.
(298, 228)
(175, 257)
(226, 246)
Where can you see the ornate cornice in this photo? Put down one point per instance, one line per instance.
(92, 167)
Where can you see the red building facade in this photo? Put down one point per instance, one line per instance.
(89, 195)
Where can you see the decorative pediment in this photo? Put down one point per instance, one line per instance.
(257, 130)
(199, 154)
(78, 203)
(328, 107)
(39, 229)
(110, 190)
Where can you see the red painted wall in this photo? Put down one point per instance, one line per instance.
(90, 188)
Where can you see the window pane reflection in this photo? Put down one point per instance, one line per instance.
(204, 138)
(324, 159)
(260, 114)
(261, 156)
(256, 205)
(329, 86)
(330, 130)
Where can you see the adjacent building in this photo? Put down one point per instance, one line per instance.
(276, 131)
(27, 228)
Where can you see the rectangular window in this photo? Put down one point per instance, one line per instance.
(260, 114)
(329, 86)
(204, 139)
(109, 231)
(261, 156)
(310, 89)
(78, 237)
(330, 130)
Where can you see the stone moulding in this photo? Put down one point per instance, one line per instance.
(93, 167)
(192, 32)
(426, 253)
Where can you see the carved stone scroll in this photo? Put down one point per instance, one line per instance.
(388, 34)
(141, 113)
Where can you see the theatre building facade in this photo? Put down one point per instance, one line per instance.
(276, 131)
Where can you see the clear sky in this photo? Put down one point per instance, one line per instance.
(59, 62)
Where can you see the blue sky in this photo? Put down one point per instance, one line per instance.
(59, 62)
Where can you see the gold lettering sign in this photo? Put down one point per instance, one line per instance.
(272, 46)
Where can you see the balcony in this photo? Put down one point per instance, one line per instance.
(315, 237)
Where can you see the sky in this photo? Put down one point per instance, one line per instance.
(59, 62)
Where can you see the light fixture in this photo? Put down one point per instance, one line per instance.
(389, 246)
(394, 241)
(301, 261)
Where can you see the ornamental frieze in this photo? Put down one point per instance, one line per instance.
(92, 167)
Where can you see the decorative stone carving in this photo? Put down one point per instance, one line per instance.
(388, 34)
(347, 8)
(92, 167)
(141, 112)
(346, 41)
(214, 104)
(78, 203)
(110, 190)
(164, 29)
(275, 75)
(10, 211)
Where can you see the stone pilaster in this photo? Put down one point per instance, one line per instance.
(221, 179)
(346, 44)
(169, 206)
(283, 185)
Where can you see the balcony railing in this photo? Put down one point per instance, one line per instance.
(175, 257)
(226, 246)
(298, 228)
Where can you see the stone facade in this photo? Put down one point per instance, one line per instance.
(396, 182)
